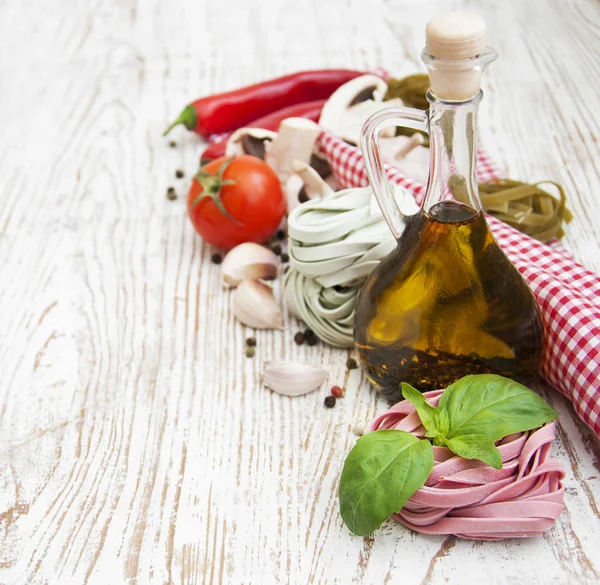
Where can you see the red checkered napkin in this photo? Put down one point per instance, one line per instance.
(566, 292)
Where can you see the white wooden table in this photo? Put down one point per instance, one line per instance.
(137, 445)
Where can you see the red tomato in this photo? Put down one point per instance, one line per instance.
(236, 200)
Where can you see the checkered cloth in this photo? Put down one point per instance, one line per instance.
(566, 292)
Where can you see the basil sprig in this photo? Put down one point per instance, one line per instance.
(381, 473)
(385, 468)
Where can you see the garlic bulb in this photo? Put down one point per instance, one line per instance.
(249, 261)
(292, 379)
(254, 305)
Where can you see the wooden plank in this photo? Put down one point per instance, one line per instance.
(136, 442)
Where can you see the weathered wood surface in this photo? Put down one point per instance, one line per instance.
(136, 443)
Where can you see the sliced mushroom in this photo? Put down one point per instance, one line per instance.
(408, 155)
(294, 192)
(254, 141)
(314, 185)
(349, 106)
(296, 139)
(368, 93)
(320, 164)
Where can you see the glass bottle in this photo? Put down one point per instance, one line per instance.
(446, 302)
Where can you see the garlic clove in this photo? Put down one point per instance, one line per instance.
(292, 379)
(254, 305)
(249, 261)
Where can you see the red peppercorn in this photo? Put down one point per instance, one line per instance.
(338, 391)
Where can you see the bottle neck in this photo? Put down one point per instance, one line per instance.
(453, 147)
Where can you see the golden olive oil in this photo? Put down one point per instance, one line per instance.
(446, 303)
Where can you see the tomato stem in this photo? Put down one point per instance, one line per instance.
(211, 188)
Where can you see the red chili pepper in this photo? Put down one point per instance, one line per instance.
(224, 112)
(310, 110)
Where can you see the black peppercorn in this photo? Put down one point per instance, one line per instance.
(299, 338)
(280, 235)
(351, 364)
(179, 173)
(216, 259)
(171, 194)
(285, 258)
(308, 333)
(329, 401)
(312, 340)
(276, 250)
(251, 342)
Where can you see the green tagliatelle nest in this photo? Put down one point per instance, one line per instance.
(528, 208)
(334, 244)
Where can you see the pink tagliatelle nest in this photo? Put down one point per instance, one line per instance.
(470, 499)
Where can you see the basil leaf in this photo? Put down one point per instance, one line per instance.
(429, 415)
(444, 423)
(381, 473)
(494, 406)
(476, 447)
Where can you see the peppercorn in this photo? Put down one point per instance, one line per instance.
(179, 173)
(285, 258)
(216, 259)
(338, 391)
(310, 337)
(251, 342)
(299, 338)
(280, 235)
(351, 364)
(171, 194)
(172, 144)
(276, 250)
(250, 351)
(329, 401)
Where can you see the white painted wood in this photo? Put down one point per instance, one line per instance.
(136, 443)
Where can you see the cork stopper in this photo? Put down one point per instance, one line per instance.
(453, 41)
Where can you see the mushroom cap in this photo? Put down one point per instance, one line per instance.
(249, 141)
(350, 105)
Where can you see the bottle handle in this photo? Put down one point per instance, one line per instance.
(396, 116)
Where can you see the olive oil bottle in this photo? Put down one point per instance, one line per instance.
(446, 302)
